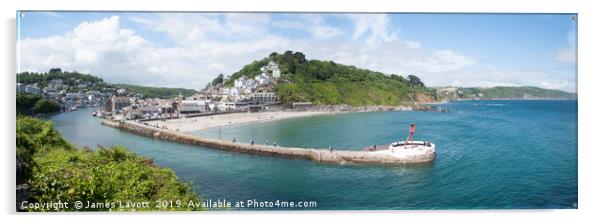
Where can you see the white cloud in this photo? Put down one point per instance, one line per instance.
(288, 24)
(326, 32)
(442, 60)
(375, 27)
(313, 24)
(205, 45)
(117, 54)
(412, 44)
(566, 55)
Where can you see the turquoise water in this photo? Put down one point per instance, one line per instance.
(490, 154)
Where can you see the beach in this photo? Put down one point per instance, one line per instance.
(211, 121)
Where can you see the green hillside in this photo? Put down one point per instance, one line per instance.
(69, 79)
(525, 92)
(327, 82)
(72, 79)
(156, 92)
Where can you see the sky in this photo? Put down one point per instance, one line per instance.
(190, 49)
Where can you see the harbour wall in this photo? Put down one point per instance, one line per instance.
(317, 155)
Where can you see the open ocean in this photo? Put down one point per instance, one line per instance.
(490, 155)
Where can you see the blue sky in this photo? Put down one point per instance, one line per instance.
(189, 49)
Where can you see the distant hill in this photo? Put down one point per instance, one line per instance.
(156, 92)
(72, 79)
(524, 92)
(69, 78)
(327, 82)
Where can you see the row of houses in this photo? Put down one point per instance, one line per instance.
(253, 90)
(29, 89)
(133, 108)
(247, 94)
(56, 90)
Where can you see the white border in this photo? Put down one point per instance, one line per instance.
(589, 111)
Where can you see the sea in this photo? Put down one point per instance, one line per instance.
(491, 154)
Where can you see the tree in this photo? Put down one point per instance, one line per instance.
(55, 71)
(399, 78)
(25, 102)
(415, 81)
(299, 57)
(218, 80)
(46, 106)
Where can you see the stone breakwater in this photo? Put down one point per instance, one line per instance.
(317, 155)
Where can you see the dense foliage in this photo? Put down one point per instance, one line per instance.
(513, 92)
(34, 104)
(46, 106)
(33, 136)
(56, 170)
(157, 92)
(327, 82)
(218, 80)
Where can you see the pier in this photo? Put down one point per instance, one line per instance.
(317, 155)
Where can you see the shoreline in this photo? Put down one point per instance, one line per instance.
(187, 125)
(193, 124)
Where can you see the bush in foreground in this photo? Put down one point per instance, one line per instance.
(57, 171)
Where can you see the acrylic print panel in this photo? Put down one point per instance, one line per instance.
(162, 111)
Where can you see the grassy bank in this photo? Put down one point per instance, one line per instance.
(55, 170)
(330, 83)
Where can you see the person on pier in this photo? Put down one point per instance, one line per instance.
(410, 137)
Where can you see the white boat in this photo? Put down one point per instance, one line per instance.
(402, 150)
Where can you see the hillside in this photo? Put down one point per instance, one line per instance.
(71, 80)
(156, 92)
(524, 92)
(327, 82)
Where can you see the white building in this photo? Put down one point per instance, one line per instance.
(271, 69)
(30, 89)
(234, 91)
(263, 79)
(55, 84)
(212, 106)
(73, 96)
(233, 106)
(193, 106)
(264, 97)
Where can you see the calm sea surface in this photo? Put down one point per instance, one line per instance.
(490, 154)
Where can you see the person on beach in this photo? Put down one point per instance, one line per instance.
(410, 137)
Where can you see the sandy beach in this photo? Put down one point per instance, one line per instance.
(205, 122)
